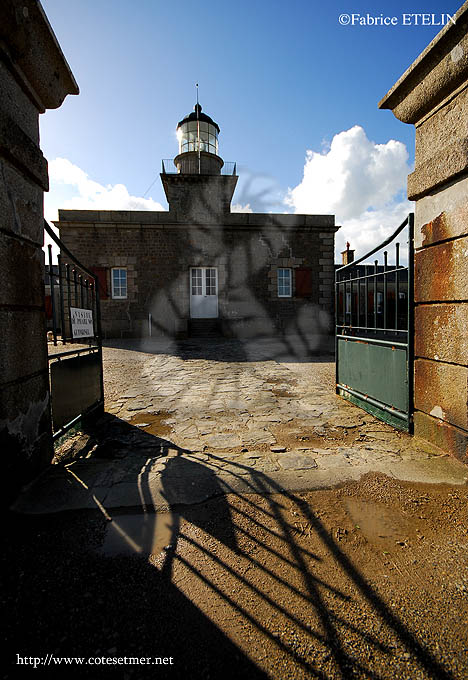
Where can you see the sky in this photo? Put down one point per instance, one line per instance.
(294, 90)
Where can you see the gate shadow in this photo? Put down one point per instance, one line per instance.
(231, 576)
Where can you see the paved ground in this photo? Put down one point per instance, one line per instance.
(189, 421)
(191, 532)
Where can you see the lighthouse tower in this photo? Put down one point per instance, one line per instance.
(198, 184)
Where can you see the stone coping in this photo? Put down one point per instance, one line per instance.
(131, 218)
(439, 70)
(34, 54)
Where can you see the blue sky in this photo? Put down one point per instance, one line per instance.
(280, 78)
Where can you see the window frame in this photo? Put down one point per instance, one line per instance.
(284, 295)
(114, 296)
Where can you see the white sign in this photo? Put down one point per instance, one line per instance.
(81, 322)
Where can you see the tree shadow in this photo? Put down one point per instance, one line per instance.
(282, 349)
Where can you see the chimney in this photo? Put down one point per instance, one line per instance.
(347, 255)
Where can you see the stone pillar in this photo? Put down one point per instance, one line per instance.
(433, 96)
(34, 76)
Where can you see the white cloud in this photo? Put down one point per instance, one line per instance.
(238, 208)
(371, 228)
(360, 182)
(86, 194)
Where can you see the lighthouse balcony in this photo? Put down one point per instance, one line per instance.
(194, 163)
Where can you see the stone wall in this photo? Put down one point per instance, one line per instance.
(247, 250)
(33, 76)
(433, 96)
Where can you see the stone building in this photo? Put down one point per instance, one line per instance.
(200, 268)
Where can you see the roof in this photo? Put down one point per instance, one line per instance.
(198, 115)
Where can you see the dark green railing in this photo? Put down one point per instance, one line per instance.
(374, 331)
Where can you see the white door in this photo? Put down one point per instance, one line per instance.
(204, 293)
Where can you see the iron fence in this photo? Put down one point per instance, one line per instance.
(170, 168)
(374, 331)
(74, 318)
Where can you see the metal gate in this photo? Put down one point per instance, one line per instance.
(374, 330)
(75, 339)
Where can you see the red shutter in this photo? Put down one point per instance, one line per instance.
(48, 306)
(101, 275)
(303, 282)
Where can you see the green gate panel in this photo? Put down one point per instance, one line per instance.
(75, 386)
(376, 371)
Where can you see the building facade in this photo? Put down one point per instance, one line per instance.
(199, 268)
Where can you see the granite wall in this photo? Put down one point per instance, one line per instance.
(433, 96)
(34, 76)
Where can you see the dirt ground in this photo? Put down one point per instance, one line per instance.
(368, 580)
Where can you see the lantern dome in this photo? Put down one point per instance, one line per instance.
(198, 132)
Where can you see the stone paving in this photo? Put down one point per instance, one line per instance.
(269, 414)
(231, 416)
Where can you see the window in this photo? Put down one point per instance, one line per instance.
(119, 284)
(379, 303)
(284, 282)
(197, 281)
(191, 133)
(348, 302)
(204, 281)
(211, 281)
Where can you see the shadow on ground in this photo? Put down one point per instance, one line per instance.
(283, 349)
(227, 588)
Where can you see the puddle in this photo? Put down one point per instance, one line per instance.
(295, 434)
(381, 526)
(152, 423)
(278, 392)
(281, 381)
(142, 534)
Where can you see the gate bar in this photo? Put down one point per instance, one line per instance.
(63, 247)
(378, 404)
(62, 309)
(410, 302)
(375, 341)
(379, 247)
(52, 296)
(83, 350)
(397, 281)
(371, 328)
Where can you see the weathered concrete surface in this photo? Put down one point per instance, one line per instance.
(440, 332)
(440, 272)
(194, 420)
(433, 96)
(443, 434)
(442, 391)
(442, 215)
(33, 76)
